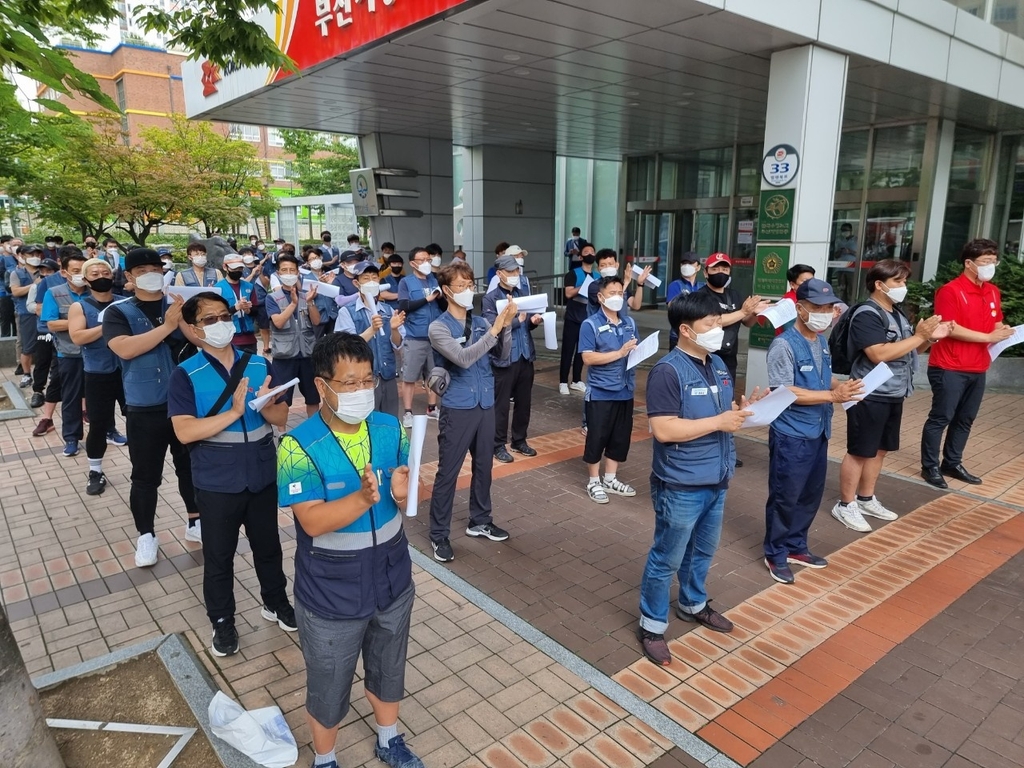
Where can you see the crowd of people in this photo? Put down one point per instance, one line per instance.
(201, 376)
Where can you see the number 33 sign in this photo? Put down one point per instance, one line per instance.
(780, 165)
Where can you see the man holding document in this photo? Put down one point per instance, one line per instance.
(799, 359)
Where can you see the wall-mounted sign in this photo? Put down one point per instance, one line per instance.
(775, 215)
(746, 201)
(364, 192)
(780, 165)
(770, 267)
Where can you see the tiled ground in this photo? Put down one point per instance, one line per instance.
(801, 659)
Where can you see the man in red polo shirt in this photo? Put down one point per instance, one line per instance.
(957, 366)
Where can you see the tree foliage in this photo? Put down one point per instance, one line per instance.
(322, 163)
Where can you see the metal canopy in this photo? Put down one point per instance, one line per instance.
(592, 78)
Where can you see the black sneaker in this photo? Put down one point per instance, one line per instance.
(443, 551)
(19, 371)
(97, 483)
(491, 531)
(284, 616)
(782, 573)
(503, 456)
(225, 638)
(36, 401)
(523, 448)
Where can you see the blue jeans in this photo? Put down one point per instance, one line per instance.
(796, 482)
(687, 526)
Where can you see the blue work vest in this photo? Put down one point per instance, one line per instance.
(418, 321)
(707, 460)
(581, 277)
(357, 570)
(145, 377)
(188, 277)
(807, 421)
(473, 386)
(522, 347)
(24, 278)
(243, 323)
(384, 364)
(611, 381)
(96, 355)
(64, 298)
(242, 456)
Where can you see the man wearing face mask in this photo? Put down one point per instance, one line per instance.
(199, 274)
(329, 253)
(346, 278)
(576, 311)
(419, 296)
(391, 276)
(24, 276)
(56, 304)
(513, 371)
(879, 333)
(241, 295)
(103, 387)
(958, 363)
(689, 268)
(231, 448)
(517, 253)
(294, 318)
(381, 328)
(147, 334)
(250, 264)
(798, 438)
(693, 417)
(53, 242)
(606, 339)
(435, 255)
(466, 423)
(608, 266)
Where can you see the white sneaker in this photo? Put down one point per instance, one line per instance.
(194, 532)
(874, 509)
(563, 389)
(851, 517)
(597, 493)
(619, 488)
(578, 386)
(146, 549)
(407, 420)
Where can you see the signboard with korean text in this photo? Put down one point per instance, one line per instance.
(770, 265)
(775, 216)
(364, 192)
(761, 335)
(780, 165)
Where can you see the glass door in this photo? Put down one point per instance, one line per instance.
(655, 232)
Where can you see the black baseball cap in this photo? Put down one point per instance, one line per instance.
(817, 292)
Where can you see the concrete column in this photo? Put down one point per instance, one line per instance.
(806, 95)
(939, 196)
(508, 194)
(432, 160)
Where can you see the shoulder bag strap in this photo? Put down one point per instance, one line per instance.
(232, 385)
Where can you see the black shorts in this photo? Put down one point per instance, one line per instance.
(609, 427)
(300, 368)
(873, 426)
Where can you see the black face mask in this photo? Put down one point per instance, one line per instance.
(235, 274)
(718, 280)
(396, 268)
(590, 258)
(327, 239)
(101, 284)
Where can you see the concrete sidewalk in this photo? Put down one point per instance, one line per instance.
(905, 651)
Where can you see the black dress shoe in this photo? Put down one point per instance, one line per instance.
(503, 456)
(523, 448)
(960, 473)
(37, 400)
(932, 476)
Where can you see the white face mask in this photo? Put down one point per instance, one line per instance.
(199, 261)
(688, 270)
(711, 340)
(464, 298)
(51, 245)
(354, 407)
(435, 261)
(423, 267)
(986, 272)
(247, 260)
(33, 261)
(78, 281)
(371, 289)
(512, 281)
(520, 262)
(609, 271)
(614, 303)
(818, 321)
(168, 265)
(153, 282)
(219, 334)
(112, 251)
(288, 280)
(896, 295)
(315, 264)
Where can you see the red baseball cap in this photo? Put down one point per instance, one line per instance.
(717, 258)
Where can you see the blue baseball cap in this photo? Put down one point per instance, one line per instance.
(817, 292)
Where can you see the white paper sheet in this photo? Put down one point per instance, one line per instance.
(99, 317)
(550, 334)
(878, 375)
(780, 313)
(324, 289)
(994, 350)
(187, 292)
(371, 305)
(531, 304)
(651, 279)
(169, 278)
(585, 288)
(767, 409)
(258, 403)
(416, 437)
(646, 348)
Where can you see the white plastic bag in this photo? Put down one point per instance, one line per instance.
(262, 734)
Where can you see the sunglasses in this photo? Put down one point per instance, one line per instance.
(223, 317)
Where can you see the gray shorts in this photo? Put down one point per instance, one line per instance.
(27, 333)
(331, 648)
(419, 359)
(385, 398)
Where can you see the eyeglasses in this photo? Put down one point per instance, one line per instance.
(355, 386)
(461, 287)
(223, 317)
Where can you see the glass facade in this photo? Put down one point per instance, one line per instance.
(587, 196)
(1008, 15)
(1008, 213)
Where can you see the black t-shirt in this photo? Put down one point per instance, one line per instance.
(730, 301)
(115, 324)
(868, 329)
(575, 311)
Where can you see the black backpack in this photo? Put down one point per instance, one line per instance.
(839, 340)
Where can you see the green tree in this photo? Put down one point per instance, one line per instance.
(322, 163)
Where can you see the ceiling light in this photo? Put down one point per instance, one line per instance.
(522, 72)
(463, 61)
(632, 93)
(634, 103)
(687, 93)
(511, 57)
(532, 130)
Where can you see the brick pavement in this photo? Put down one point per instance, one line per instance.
(479, 693)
